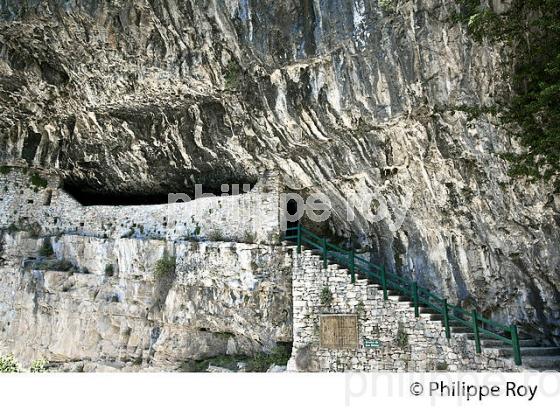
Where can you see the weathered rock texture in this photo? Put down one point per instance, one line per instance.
(223, 299)
(253, 216)
(342, 97)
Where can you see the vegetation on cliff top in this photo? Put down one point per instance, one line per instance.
(532, 29)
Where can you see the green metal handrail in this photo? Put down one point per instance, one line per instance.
(409, 287)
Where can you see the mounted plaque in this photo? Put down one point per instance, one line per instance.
(338, 331)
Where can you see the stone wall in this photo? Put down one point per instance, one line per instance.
(249, 217)
(407, 343)
(223, 299)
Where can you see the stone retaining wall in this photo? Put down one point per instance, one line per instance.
(406, 343)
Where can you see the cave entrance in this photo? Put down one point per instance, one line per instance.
(89, 196)
(291, 210)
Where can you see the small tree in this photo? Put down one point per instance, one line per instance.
(165, 266)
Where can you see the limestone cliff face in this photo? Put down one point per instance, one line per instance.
(222, 299)
(341, 96)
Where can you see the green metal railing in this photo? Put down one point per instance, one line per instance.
(419, 295)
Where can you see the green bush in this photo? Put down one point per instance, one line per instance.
(442, 366)
(233, 75)
(216, 236)
(39, 366)
(37, 181)
(60, 265)
(262, 361)
(531, 28)
(326, 296)
(4, 169)
(165, 266)
(8, 364)
(46, 249)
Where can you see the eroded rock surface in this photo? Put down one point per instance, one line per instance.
(222, 299)
(342, 97)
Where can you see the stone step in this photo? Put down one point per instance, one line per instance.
(452, 323)
(399, 298)
(532, 351)
(424, 309)
(461, 329)
(541, 362)
(493, 343)
(470, 336)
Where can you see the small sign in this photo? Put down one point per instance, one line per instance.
(372, 343)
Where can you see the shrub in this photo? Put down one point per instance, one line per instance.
(196, 230)
(441, 366)
(56, 265)
(326, 296)
(532, 113)
(261, 362)
(165, 266)
(39, 366)
(37, 181)
(387, 5)
(360, 308)
(4, 169)
(216, 236)
(46, 249)
(233, 74)
(402, 336)
(8, 364)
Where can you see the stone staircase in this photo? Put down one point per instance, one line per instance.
(534, 355)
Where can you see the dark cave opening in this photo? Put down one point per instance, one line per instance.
(88, 196)
(292, 209)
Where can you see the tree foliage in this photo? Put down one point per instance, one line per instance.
(532, 29)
